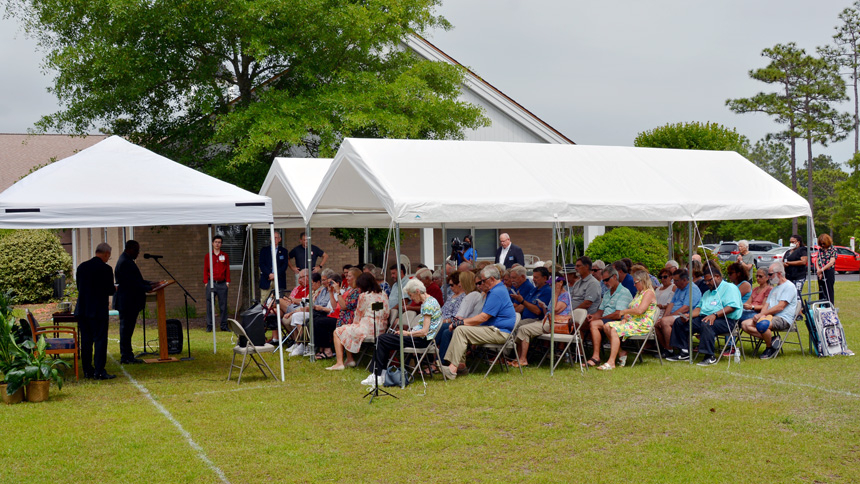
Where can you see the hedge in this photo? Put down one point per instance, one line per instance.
(29, 262)
(624, 242)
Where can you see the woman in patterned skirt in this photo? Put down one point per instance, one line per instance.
(350, 336)
(637, 319)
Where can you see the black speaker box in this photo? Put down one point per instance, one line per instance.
(255, 327)
(174, 336)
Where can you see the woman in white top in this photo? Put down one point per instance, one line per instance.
(664, 292)
(472, 304)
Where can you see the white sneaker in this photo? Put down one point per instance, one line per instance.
(368, 380)
(292, 347)
(308, 351)
(298, 350)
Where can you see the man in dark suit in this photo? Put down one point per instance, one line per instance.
(267, 275)
(130, 298)
(95, 286)
(509, 254)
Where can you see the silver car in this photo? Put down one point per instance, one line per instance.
(729, 250)
(764, 260)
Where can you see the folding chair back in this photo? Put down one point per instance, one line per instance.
(249, 350)
(56, 344)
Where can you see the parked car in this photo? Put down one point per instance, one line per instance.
(729, 250)
(765, 260)
(709, 247)
(846, 259)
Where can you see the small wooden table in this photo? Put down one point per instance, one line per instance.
(162, 324)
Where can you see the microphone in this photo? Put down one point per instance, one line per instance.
(152, 256)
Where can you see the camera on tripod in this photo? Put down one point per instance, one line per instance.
(456, 244)
(377, 306)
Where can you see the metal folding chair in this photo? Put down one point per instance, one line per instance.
(248, 350)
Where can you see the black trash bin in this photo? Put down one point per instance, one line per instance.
(60, 285)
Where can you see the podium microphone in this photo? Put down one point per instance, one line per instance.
(152, 256)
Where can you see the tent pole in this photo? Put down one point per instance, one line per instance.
(671, 241)
(444, 257)
(277, 295)
(551, 306)
(251, 271)
(366, 245)
(211, 301)
(309, 254)
(75, 249)
(400, 302)
(690, 319)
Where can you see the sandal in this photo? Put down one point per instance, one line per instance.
(322, 356)
(592, 362)
(517, 364)
(605, 367)
(622, 360)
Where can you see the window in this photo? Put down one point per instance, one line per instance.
(486, 241)
(234, 243)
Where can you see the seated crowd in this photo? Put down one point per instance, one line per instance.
(477, 302)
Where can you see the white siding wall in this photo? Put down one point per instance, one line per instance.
(503, 127)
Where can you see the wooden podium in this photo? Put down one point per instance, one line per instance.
(162, 324)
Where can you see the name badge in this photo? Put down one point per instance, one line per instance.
(510, 257)
(713, 303)
(280, 257)
(221, 258)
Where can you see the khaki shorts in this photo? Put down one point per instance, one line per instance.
(779, 324)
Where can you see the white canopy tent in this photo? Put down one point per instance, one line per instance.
(422, 183)
(116, 183)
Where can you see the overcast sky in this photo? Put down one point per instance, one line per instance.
(599, 72)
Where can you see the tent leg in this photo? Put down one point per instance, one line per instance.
(251, 271)
(690, 319)
(400, 303)
(277, 296)
(552, 304)
(309, 254)
(671, 243)
(211, 301)
(366, 258)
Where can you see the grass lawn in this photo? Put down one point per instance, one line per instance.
(793, 419)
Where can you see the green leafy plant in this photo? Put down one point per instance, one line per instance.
(29, 261)
(624, 242)
(38, 366)
(12, 356)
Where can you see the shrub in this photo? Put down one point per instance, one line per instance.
(29, 261)
(624, 242)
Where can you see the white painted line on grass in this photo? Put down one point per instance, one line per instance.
(200, 453)
(805, 385)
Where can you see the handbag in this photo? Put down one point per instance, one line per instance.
(563, 325)
(393, 376)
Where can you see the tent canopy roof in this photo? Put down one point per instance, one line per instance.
(490, 184)
(115, 183)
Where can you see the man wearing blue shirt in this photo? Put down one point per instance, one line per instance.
(493, 325)
(778, 311)
(716, 313)
(521, 286)
(679, 306)
(528, 305)
(624, 276)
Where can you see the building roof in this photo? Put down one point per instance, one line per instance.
(489, 93)
(21, 153)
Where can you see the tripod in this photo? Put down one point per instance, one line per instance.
(187, 295)
(376, 307)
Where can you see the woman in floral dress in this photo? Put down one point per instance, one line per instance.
(826, 268)
(637, 319)
(349, 337)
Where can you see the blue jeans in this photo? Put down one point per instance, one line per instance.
(443, 339)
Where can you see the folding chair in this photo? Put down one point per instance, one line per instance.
(568, 340)
(487, 350)
(249, 350)
(792, 328)
(733, 335)
(419, 354)
(652, 333)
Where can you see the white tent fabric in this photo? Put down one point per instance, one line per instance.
(116, 183)
(495, 184)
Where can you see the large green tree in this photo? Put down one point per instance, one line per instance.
(807, 89)
(227, 85)
(846, 53)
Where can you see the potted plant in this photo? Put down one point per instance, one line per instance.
(37, 373)
(12, 356)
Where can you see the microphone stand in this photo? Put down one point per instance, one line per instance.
(187, 295)
(376, 307)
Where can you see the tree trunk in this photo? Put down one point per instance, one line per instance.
(856, 112)
(792, 142)
(809, 173)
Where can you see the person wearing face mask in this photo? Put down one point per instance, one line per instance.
(778, 311)
(795, 261)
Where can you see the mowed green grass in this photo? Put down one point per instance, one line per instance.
(793, 419)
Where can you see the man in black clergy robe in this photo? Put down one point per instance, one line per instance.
(130, 298)
(95, 286)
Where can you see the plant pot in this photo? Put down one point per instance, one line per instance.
(37, 391)
(14, 398)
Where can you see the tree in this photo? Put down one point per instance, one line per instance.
(694, 136)
(772, 157)
(808, 87)
(698, 136)
(845, 217)
(846, 53)
(226, 85)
